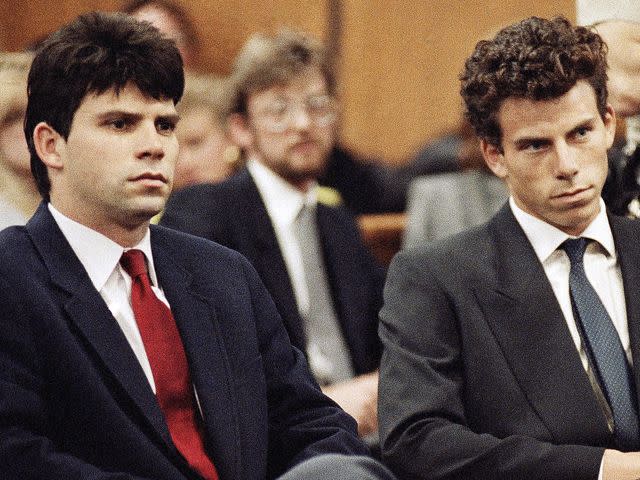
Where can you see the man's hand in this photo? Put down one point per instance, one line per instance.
(623, 40)
(620, 466)
(359, 398)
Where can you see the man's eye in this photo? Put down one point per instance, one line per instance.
(276, 109)
(166, 126)
(118, 124)
(582, 132)
(534, 146)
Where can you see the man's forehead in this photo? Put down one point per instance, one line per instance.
(578, 105)
(125, 98)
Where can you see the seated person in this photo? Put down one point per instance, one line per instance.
(130, 351)
(510, 349)
(324, 282)
(19, 195)
(206, 154)
(443, 204)
(172, 20)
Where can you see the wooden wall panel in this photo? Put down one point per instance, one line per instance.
(399, 58)
(27, 21)
(229, 23)
(400, 63)
(224, 25)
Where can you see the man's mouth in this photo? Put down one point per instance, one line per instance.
(573, 194)
(151, 179)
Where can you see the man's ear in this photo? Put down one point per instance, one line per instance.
(48, 144)
(239, 130)
(610, 125)
(494, 158)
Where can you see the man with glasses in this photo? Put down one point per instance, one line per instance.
(325, 284)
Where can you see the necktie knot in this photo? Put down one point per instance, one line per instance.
(575, 248)
(133, 263)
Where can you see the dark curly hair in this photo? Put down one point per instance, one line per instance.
(536, 59)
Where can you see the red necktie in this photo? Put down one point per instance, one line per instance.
(169, 366)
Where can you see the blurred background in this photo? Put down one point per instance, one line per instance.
(397, 61)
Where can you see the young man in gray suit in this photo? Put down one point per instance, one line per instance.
(509, 351)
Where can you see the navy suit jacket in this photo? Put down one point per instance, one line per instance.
(232, 213)
(480, 377)
(75, 403)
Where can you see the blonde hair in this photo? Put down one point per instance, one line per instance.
(14, 69)
(205, 91)
(265, 61)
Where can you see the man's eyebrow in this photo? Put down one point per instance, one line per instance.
(530, 139)
(171, 117)
(585, 122)
(120, 114)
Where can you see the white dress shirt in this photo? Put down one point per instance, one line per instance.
(100, 257)
(283, 203)
(601, 267)
(600, 264)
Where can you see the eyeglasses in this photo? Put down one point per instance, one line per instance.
(278, 115)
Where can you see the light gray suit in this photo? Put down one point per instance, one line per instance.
(442, 205)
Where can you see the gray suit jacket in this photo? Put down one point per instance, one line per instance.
(480, 378)
(442, 205)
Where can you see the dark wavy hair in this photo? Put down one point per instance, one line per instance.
(536, 59)
(95, 53)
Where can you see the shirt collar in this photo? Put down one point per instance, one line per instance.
(98, 254)
(546, 238)
(282, 200)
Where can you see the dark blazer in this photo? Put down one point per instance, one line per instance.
(232, 213)
(480, 377)
(75, 403)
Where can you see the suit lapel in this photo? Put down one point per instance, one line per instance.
(208, 365)
(90, 317)
(263, 251)
(626, 234)
(527, 322)
(345, 278)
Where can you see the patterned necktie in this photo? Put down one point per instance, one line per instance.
(603, 344)
(168, 361)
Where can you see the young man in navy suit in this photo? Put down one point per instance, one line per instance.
(129, 351)
(512, 350)
(283, 114)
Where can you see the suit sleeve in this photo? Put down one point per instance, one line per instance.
(423, 428)
(303, 422)
(26, 449)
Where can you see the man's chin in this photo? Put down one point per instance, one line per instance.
(148, 209)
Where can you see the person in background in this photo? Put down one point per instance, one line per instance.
(618, 23)
(443, 204)
(129, 350)
(206, 153)
(172, 20)
(510, 349)
(19, 195)
(325, 283)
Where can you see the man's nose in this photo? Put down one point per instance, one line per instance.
(566, 161)
(300, 118)
(151, 143)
